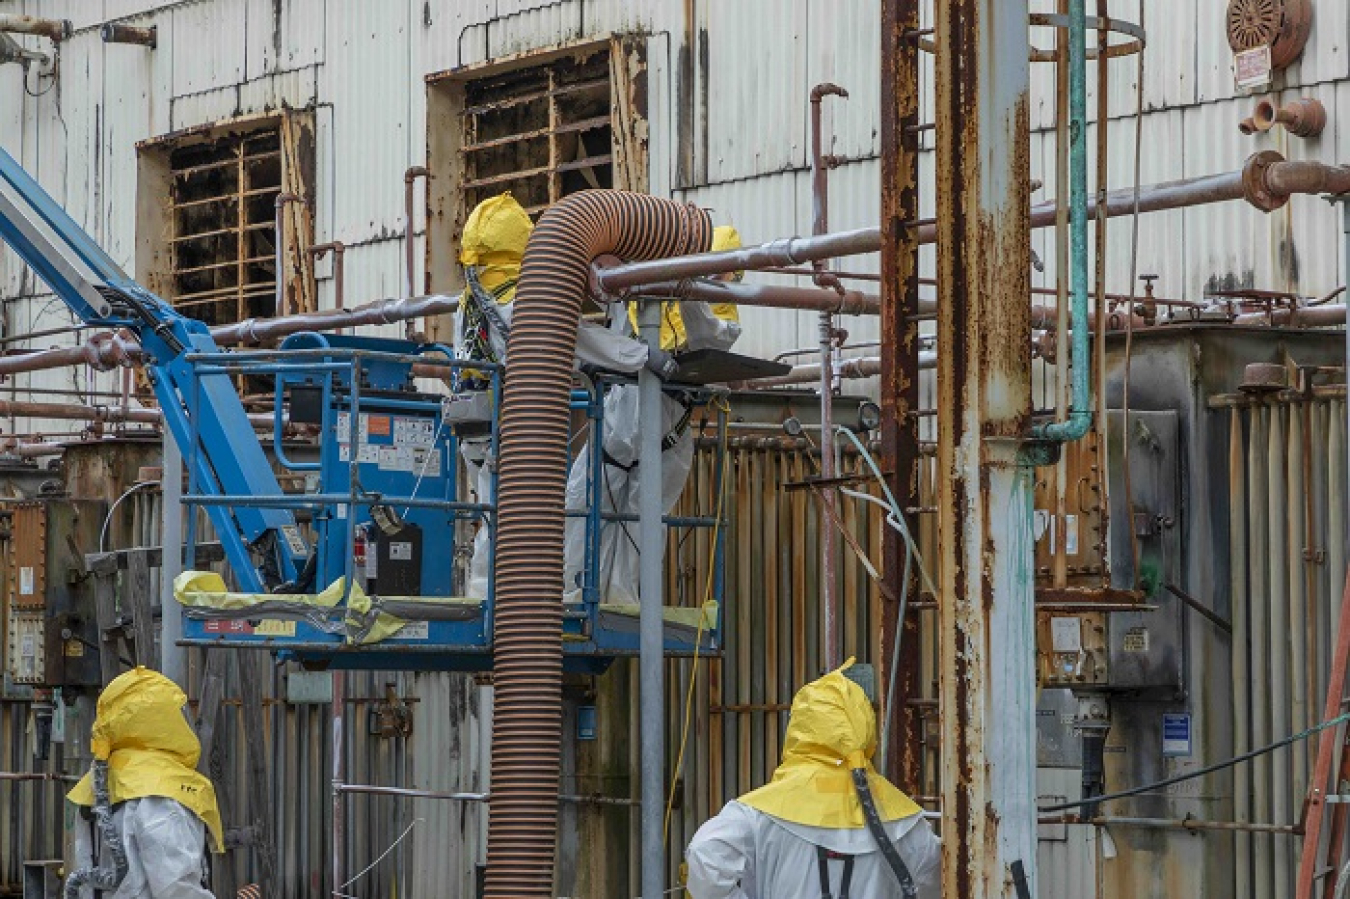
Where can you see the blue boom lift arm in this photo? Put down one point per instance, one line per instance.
(264, 546)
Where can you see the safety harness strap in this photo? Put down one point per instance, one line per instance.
(823, 859)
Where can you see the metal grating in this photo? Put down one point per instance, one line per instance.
(223, 225)
(540, 132)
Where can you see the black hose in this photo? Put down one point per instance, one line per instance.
(100, 878)
(888, 850)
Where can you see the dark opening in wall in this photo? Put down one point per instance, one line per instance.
(541, 132)
(224, 231)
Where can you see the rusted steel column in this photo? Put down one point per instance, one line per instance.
(987, 632)
(900, 369)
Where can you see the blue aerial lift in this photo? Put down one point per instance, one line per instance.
(357, 571)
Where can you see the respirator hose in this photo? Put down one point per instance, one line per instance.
(878, 830)
(104, 879)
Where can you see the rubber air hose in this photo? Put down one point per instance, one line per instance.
(532, 480)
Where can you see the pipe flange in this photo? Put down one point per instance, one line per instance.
(1254, 181)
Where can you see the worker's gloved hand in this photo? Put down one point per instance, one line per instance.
(662, 363)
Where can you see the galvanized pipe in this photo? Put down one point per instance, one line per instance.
(1282, 796)
(846, 369)
(338, 845)
(829, 546)
(1265, 179)
(173, 658)
(56, 30)
(1190, 824)
(651, 626)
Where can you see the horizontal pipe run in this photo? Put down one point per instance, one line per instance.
(476, 797)
(847, 369)
(54, 29)
(1191, 824)
(1298, 317)
(36, 775)
(1266, 181)
(115, 33)
(102, 414)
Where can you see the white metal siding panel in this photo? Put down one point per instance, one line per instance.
(295, 89)
(367, 69)
(284, 35)
(208, 43)
(757, 68)
(843, 46)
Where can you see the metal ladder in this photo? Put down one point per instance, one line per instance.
(1315, 810)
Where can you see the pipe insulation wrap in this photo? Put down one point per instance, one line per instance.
(532, 479)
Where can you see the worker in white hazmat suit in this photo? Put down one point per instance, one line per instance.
(813, 832)
(149, 812)
(491, 251)
(686, 325)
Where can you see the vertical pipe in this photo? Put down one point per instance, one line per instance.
(1280, 660)
(1258, 585)
(409, 237)
(1237, 554)
(1300, 648)
(899, 393)
(820, 224)
(1080, 409)
(173, 656)
(985, 561)
(1060, 560)
(338, 847)
(282, 201)
(651, 663)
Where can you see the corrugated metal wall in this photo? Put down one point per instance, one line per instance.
(773, 622)
(1288, 499)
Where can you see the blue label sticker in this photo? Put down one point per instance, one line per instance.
(1176, 736)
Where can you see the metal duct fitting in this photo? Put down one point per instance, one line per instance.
(1302, 118)
(535, 424)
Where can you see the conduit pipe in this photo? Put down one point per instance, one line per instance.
(527, 627)
(1267, 181)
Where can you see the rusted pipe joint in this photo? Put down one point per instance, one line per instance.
(113, 33)
(1248, 126)
(1305, 117)
(827, 89)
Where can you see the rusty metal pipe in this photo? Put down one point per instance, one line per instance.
(820, 203)
(283, 200)
(535, 428)
(56, 30)
(114, 33)
(104, 414)
(846, 369)
(409, 242)
(1305, 117)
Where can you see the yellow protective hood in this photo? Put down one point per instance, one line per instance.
(494, 241)
(140, 731)
(832, 730)
(673, 333)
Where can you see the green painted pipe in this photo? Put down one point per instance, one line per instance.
(1076, 426)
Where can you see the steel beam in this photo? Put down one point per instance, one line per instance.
(987, 681)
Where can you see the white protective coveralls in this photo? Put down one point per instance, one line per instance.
(685, 325)
(162, 807)
(768, 843)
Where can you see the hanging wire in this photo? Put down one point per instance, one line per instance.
(1129, 311)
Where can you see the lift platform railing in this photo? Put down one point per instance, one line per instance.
(353, 379)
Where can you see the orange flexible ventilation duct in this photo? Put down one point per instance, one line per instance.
(527, 654)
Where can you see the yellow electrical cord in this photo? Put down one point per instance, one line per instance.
(721, 405)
